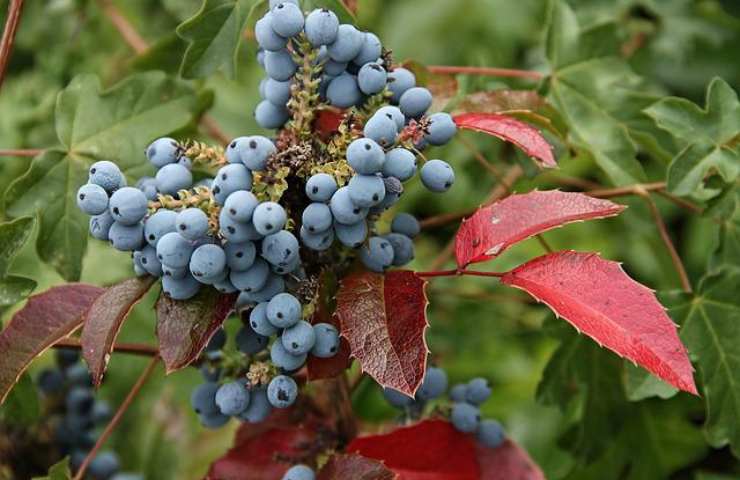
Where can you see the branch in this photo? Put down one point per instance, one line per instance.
(485, 71)
(11, 27)
(626, 190)
(132, 348)
(28, 152)
(117, 417)
(459, 272)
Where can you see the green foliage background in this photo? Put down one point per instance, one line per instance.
(590, 416)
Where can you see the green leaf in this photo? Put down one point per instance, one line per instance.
(709, 328)
(22, 405)
(13, 289)
(710, 137)
(725, 209)
(214, 34)
(336, 6)
(58, 471)
(93, 124)
(13, 235)
(640, 384)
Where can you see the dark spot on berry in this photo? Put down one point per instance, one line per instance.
(283, 395)
(252, 144)
(223, 176)
(375, 197)
(92, 171)
(143, 260)
(280, 314)
(268, 226)
(389, 116)
(376, 67)
(232, 211)
(294, 345)
(216, 189)
(333, 349)
(115, 211)
(231, 229)
(356, 211)
(159, 257)
(254, 324)
(233, 145)
(82, 196)
(448, 185)
(182, 226)
(239, 254)
(168, 273)
(311, 229)
(368, 146)
(315, 190)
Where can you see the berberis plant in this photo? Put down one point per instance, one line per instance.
(288, 272)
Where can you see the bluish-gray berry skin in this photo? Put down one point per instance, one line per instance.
(240, 206)
(393, 192)
(403, 248)
(172, 178)
(343, 91)
(299, 472)
(192, 223)
(406, 224)
(465, 417)
(269, 218)
(185, 162)
(381, 129)
(213, 421)
(299, 339)
(148, 185)
(434, 384)
(441, 129)
(366, 190)
(277, 93)
(282, 391)
(252, 279)
(174, 272)
(229, 179)
(270, 116)
(370, 50)
(365, 156)
(284, 310)
(236, 232)
(256, 151)
(217, 341)
(92, 199)
(317, 241)
(372, 78)
(150, 262)
(163, 151)
(399, 81)
(207, 261)
(478, 391)
(275, 3)
(394, 113)
(415, 102)
(400, 163)
(128, 205)
(322, 26)
(327, 340)
(174, 251)
(377, 255)
(107, 175)
(225, 286)
(259, 407)
(50, 381)
(240, 256)
(344, 210)
(232, 398)
(266, 36)
(317, 217)
(232, 152)
(79, 400)
(279, 65)
(259, 322)
(347, 45)
(287, 19)
(126, 238)
(437, 176)
(396, 398)
(104, 465)
(351, 236)
(280, 249)
(158, 225)
(491, 433)
(180, 288)
(321, 187)
(284, 359)
(334, 69)
(203, 399)
(273, 286)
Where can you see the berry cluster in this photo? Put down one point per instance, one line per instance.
(466, 401)
(76, 415)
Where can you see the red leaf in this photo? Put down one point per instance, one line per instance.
(521, 134)
(327, 122)
(45, 319)
(383, 317)
(355, 467)
(184, 327)
(494, 228)
(507, 462)
(104, 320)
(598, 298)
(429, 450)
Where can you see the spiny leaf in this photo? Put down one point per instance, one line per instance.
(493, 229)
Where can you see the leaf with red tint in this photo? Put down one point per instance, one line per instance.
(496, 101)
(599, 299)
(45, 319)
(383, 317)
(355, 467)
(429, 450)
(104, 320)
(507, 462)
(319, 368)
(521, 134)
(327, 122)
(494, 228)
(184, 327)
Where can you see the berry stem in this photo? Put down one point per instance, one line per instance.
(28, 152)
(485, 71)
(11, 27)
(458, 272)
(131, 348)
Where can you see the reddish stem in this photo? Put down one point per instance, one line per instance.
(132, 348)
(11, 27)
(485, 71)
(27, 152)
(454, 273)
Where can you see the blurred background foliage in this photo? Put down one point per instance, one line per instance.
(674, 47)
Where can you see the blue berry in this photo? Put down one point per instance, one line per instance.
(317, 217)
(270, 116)
(491, 433)
(217, 341)
(366, 190)
(252, 279)
(207, 261)
(185, 162)
(279, 65)
(370, 50)
(100, 225)
(192, 223)
(395, 114)
(287, 19)
(148, 185)
(240, 256)
(372, 78)
(365, 156)
(277, 93)
(322, 26)
(232, 398)
(478, 391)
(333, 69)
(403, 248)
(225, 286)
(441, 129)
(150, 262)
(101, 412)
(465, 417)
(92, 199)
(434, 384)
(275, 3)
(104, 465)
(377, 255)
(180, 288)
(347, 45)
(280, 249)
(158, 225)
(163, 151)
(78, 375)
(126, 238)
(299, 339)
(66, 358)
(175, 272)
(381, 129)
(415, 101)
(203, 399)
(353, 235)
(259, 407)
(321, 187)
(299, 472)
(128, 205)
(400, 163)
(172, 178)
(317, 241)
(458, 392)
(259, 322)
(240, 206)
(269, 217)
(396, 398)
(284, 359)
(174, 250)
(344, 210)
(79, 400)
(437, 176)
(51, 381)
(399, 81)
(327, 340)
(343, 91)
(233, 151)
(256, 151)
(234, 231)
(107, 175)
(229, 179)
(284, 310)
(273, 286)
(266, 36)
(406, 224)
(213, 421)
(393, 192)
(282, 391)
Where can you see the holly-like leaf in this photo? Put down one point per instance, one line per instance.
(709, 326)
(45, 319)
(494, 228)
(711, 137)
(92, 125)
(104, 320)
(599, 299)
(356, 467)
(383, 317)
(508, 461)
(428, 450)
(507, 128)
(184, 327)
(214, 34)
